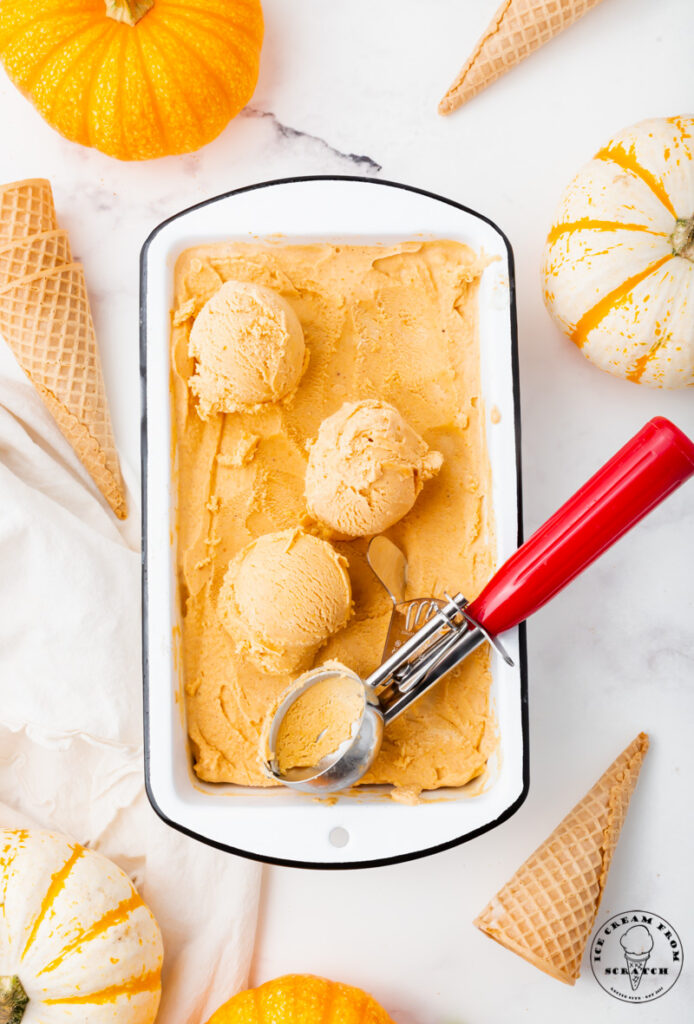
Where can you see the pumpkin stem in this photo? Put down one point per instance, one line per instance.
(13, 999)
(128, 11)
(682, 238)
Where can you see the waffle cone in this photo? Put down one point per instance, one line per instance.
(46, 321)
(546, 912)
(636, 965)
(26, 208)
(518, 28)
(32, 255)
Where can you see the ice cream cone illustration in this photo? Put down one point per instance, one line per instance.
(517, 29)
(637, 943)
(546, 912)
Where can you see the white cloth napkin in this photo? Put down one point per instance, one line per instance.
(70, 707)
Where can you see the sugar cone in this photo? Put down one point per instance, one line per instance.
(636, 965)
(32, 255)
(546, 912)
(46, 321)
(517, 29)
(26, 208)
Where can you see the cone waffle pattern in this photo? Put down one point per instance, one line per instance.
(546, 912)
(32, 255)
(517, 29)
(636, 965)
(47, 322)
(26, 208)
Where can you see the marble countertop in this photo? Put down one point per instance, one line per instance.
(351, 88)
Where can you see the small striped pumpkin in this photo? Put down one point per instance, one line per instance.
(619, 261)
(76, 941)
(301, 999)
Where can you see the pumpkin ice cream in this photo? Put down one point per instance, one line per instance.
(386, 326)
(321, 721)
(249, 349)
(283, 596)
(365, 469)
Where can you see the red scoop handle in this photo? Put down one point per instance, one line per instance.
(648, 468)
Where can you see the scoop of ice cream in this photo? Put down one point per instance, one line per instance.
(249, 349)
(366, 469)
(637, 940)
(322, 719)
(283, 596)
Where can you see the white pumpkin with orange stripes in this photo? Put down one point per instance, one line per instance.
(76, 941)
(619, 263)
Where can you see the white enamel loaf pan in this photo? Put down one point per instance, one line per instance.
(277, 825)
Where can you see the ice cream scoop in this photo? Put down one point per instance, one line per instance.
(320, 720)
(283, 596)
(248, 347)
(366, 469)
(637, 943)
(637, 940)
(290, 731)
(641, 475)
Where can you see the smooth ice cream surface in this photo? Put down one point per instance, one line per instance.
(319, 722)
(366, 469)
(283, 596)
(397, 324)
(248, 346)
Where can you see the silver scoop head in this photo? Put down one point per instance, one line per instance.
(426, 639)
(344, 766)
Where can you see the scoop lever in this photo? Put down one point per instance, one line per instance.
(642, 474)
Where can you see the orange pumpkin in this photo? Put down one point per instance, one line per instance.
(134, 78)
(301, 999)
